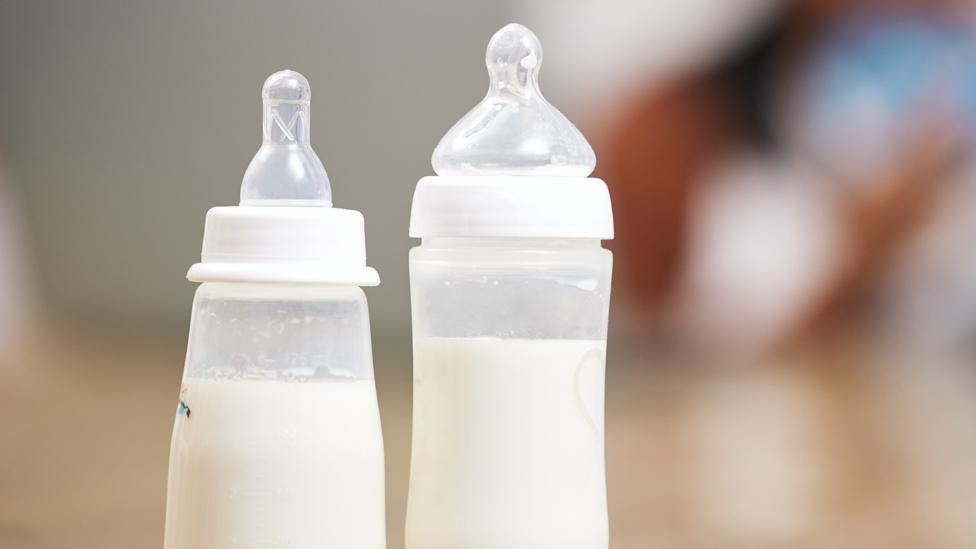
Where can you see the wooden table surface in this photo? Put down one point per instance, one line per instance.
(805, 453)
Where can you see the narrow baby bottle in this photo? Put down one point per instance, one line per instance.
(510, 292)
(277, 439)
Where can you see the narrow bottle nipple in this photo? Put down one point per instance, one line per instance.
(514, 130)
(286, 171)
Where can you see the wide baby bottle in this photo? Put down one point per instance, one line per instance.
(277, 439)
(510, 293)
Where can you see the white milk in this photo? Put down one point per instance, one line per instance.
(507, 445)
(273, 464)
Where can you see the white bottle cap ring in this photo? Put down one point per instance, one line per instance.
(512, 206)
(301, 245)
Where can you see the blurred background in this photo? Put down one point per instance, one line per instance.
(793, 332)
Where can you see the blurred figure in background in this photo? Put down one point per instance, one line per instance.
(770, 196)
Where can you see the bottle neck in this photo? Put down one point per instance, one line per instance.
(278, 291)
(442, 242)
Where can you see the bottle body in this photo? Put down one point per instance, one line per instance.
(509, 355)
(277, 438)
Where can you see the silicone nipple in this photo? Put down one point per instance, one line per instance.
(286, 171)
(514, 130)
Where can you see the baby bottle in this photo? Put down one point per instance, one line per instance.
(277, 439)
(510, 292)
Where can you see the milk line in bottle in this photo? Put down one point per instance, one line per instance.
(510, 293)
(277, 439)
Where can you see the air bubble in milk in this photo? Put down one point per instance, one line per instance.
(514, 130)
(286, 171)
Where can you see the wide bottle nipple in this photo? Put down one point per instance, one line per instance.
(286, 171)
(514, 130)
